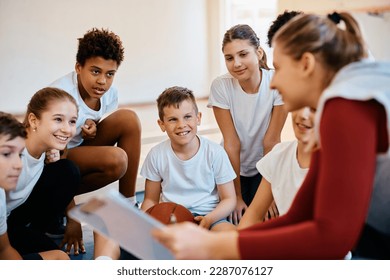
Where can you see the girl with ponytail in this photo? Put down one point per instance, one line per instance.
(249, 114)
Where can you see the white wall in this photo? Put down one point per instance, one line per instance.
(328, 6)
(376, 31)
(165, 44)
(373, 17)
(257, 14)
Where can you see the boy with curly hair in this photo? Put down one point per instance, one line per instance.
(281, 20)
(107, 144)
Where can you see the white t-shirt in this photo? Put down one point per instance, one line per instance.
(31, 172)
(3, 212)
(108, 102)
(280, 167)
(191, 183)
(251, 114)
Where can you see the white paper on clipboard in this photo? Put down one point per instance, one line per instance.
(113, 216)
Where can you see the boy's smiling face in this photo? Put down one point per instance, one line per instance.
(181, 123)
(10, 161)
(303, 123)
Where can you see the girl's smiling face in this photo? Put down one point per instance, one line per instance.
(241, 59)
(299, 81)
(55, 127)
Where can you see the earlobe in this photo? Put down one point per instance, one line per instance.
(77, 67)
(161, 125)
(260, 53)
(32, 121)
(199, 118)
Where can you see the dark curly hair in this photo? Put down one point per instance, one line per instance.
(100, 42)
(279, 22)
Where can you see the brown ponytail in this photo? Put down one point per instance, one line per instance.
(333, 46)
(263, 60)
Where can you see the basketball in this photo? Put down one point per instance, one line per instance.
(170, 212)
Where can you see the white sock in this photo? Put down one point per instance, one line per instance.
(132, 199)
(103, 258)
(348, 256)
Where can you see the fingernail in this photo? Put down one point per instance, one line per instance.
(172, 219)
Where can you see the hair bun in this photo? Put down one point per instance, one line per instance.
(335, 17)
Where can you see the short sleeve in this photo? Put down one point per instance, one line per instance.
(223, 169)
(218, 95)
(3, 213)
(112, 101)
(278, 100)
(149, 168)
(266, 165)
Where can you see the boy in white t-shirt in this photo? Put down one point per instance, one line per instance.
(107, 144)
(283, 169)
(188, 169)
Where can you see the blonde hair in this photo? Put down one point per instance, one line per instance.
(321, 36)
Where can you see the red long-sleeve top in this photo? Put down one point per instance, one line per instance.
(329, 210)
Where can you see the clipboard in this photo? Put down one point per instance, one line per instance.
(114, 217)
